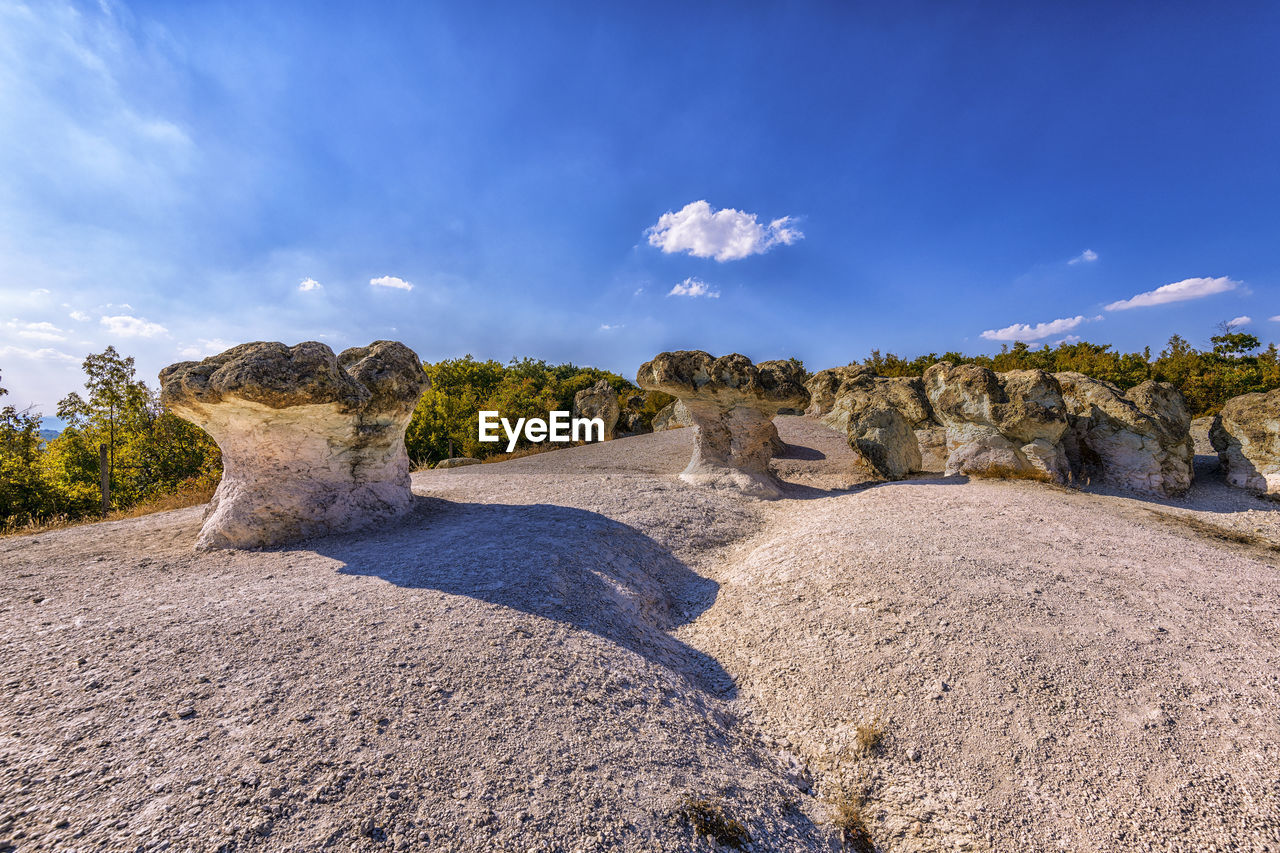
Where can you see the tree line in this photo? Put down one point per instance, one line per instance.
(153, 455)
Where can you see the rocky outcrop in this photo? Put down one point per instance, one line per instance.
(999, 425)
(880, 416)
(456, 462)
(312, 443)
(631, 418)
(732, 402)
(598, 401)
(824, 386)
(1246, 435)
(674, 415)
(932, 443)
(1138, 440)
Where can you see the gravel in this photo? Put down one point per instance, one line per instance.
(563, 652)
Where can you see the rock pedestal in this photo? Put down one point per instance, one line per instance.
(1246, 435)
(732, 402)
(312, 443)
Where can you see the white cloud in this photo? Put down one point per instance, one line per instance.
(694, 287)
(1179, 291)
(205, 347)
(41, 354)
(41, 291)
(1069, 339)
(391, 281)
(1242, 320)
(726, 235)
(1275, 319)
(132, 327)
(1088, 256)
(79, 316)
(36, 331)
(606, 327)
(1040, 331)
(310, 284)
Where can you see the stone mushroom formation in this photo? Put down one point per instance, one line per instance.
(312, 443)
(732, 402)
(1246, 436)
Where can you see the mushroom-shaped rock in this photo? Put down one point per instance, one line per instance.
(598, 401)
(732, 402)
(1000, 424)
(1139, 440)
(1246, 435)
(312, 443)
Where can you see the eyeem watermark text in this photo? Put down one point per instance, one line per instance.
(560, 428)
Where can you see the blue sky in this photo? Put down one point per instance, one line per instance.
(599, 182)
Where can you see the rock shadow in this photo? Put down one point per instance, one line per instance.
(570, 565)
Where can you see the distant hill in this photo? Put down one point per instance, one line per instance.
(49, 434)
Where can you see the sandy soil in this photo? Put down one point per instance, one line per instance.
(560, 652)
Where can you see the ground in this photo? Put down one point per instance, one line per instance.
(576, 652)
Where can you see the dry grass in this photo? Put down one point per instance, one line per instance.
(869, 736)
(1216, 532)
(534, 450)
(189, 496)
(708, 817)
(848, 814)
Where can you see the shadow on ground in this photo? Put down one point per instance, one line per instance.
(576, 567)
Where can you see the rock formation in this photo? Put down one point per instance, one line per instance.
(456, 462)
(631, 418)
(732, 402)
(823, 387)
(311, 443)
(887, 419)
(674, 415)
(1246, 435)
(598, 401)
(1139, 440)
(999, 425)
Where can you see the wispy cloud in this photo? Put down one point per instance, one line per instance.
(610, 327)
(1242, 320)
(726, 235)
(126, 326)
(1088, 256)
(310, 284)
(391, 281)
(41, 331)
(694, 287)
(41, 354)
(79, 316)
(1179, 291)
(1040, 331)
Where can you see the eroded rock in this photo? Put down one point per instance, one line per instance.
(674, 415)
(824, 386)
(999, 425)
(312, 443)
(598, 401)
(1246, 435)
(732, 402)
(1139, 440)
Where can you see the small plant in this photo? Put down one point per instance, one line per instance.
(709, 817)
(869, 736)
(849, 817)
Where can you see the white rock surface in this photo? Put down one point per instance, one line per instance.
(599, 401)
